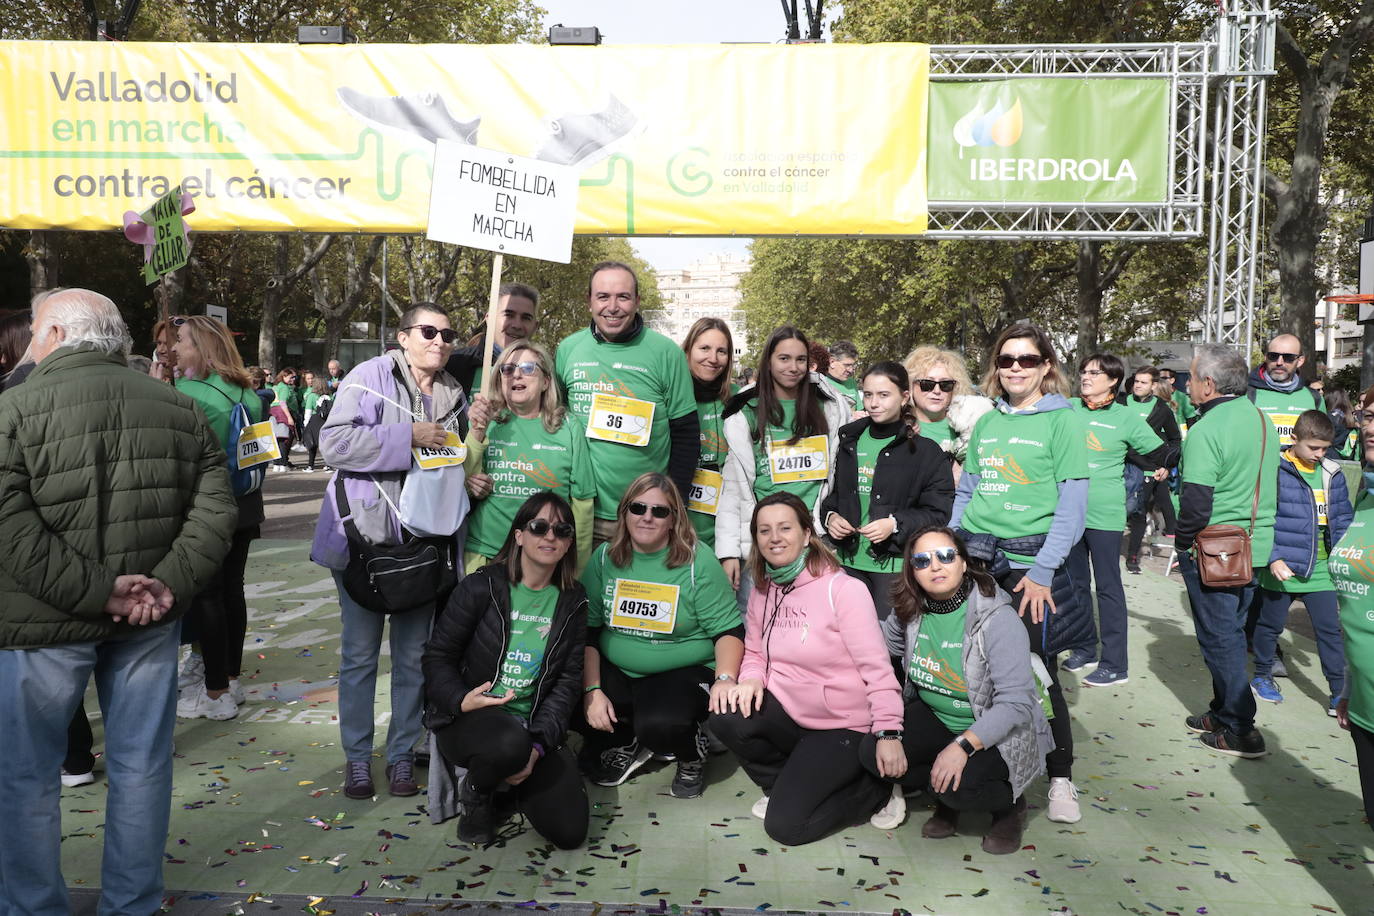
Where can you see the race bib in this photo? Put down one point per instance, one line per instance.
(1283, 423)
(807, 460)
(451, 453)
(616, 419)
(257, 445)
(1320, 494)
(704, 494)
(644, 606)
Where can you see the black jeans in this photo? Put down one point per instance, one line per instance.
(493, 744)
(879, 587)
(1155, 494)
(1058, 762)
(813, 779)
(662, 710)
(1097, 557)
(985, 784)
(222, 614)
(1364, 759)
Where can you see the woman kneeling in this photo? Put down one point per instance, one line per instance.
(975, 733)
(502, 674)
(816, 680)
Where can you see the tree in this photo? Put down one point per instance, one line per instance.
(280, 285)
(337, 301)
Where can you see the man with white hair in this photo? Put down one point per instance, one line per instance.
(116, 510)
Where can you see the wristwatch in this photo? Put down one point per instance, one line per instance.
(890, 734)
(966, 745)
(724, 677)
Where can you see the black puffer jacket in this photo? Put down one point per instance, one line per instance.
(912, 482)
(469, 643)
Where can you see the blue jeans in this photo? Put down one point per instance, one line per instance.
(42, 688)
(361, 644)
(1103, 550)
(1326, 626)
(1219, 618)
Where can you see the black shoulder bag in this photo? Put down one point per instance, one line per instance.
(418, 572)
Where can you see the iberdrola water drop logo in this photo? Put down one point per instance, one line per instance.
(997, 126)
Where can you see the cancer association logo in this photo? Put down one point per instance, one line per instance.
(999, 125)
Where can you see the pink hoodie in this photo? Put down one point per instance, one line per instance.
(821, 654)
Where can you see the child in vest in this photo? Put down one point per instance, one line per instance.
(1314, 511)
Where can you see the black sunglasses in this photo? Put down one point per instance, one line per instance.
(929, 384)
(638, 508)
(945, 555)
(1024, 360)
(427, 331)
(540, 527)
(1275, 357)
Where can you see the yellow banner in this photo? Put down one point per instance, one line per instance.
(691, 139)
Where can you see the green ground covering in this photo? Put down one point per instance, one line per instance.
(1168, 827)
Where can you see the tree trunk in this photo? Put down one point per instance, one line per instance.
(43, 262)
(279, 286)
(357, 273)
(1089, 272)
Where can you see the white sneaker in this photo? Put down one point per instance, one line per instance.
(197, 704)
(192, 671)
(1063, 806)
(760, 809)
(71, 780)
(890, 815)
(236, 691)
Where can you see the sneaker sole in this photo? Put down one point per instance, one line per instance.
(358, 796)
(1259, 696)
(1196, 730)
(1229, 752)
(1064, 819)
(1083, 667)
(694, 793)
(629, 771)
(1088, 682)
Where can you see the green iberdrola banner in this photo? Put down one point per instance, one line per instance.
(1049, 141)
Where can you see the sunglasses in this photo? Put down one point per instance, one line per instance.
(427, 331)
(525, 368)
(178, 321)
(540, 527)
(929, 384)
(638, 508)
(1024, 360)
(945, 555)
(1275, 357)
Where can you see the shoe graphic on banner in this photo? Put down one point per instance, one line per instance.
(422, 114)
(583, 139)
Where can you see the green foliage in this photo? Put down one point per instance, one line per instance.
(1346, 378)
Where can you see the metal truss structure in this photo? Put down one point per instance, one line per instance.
(1216, 93)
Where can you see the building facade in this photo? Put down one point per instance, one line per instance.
(709, 287)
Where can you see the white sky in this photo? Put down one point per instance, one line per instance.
(677, 22)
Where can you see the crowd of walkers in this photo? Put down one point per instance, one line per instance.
(862, 584)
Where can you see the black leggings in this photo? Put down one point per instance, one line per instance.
(879, 587)
(1364, 759)
(1058, 762)
(985, 784)
(1155, 493)
(222, 614)
(813, 779)
(493, 744)
(662, 710)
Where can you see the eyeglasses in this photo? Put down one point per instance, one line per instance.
(1092, 372)
(525, 368)
(929, 384)
(1024, 360)
(1165, 378)
(1361, 417)
(540, 527)
(177, 321)
(1276, 357)
(638, 508)
(427, 331)
(945, 555)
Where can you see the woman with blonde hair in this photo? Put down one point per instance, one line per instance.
(519, 444)
(212, 373)
(943, 398)
(664, 637)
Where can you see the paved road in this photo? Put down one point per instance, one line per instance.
(292, 501)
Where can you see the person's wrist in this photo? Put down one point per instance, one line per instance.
(588, 690)
(965, 745)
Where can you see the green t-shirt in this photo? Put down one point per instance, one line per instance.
(1222, 452)
(664, 618)
(531, 619)
(938, 431)
(867, 450)
(1352, 572)
(1142, 408)
(289, 396)
(650, 368)
(217, 398)
(850, 388)
(523, 459)
(1283, 408)
(713, 452)
(310, 400)
(805, 490)
(1186, 410)
(1320, 580)
(1108, 432)
(1021, 460)
(936, 668)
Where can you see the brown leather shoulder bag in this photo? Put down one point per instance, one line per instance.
(1223, 551)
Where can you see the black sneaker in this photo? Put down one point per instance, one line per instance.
(475, 823)
(1202, 724)
(1079, 659)
(1225, 741)
(690, 779)
(1133, 564)
(616, 764)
